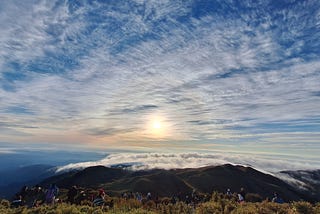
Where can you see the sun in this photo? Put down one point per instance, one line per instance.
(156, 124)
(157, 128)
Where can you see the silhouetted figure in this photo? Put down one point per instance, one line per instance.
(125, 196)
(17, 202)
(72, 194)
(102, 193)
(37, 197)
(99, 201)
(193, 194)
(241, 195)
(188, 199)
(23, 192)
(277, 199)
(131, 195)
(138, 196)
(228, 193)
(174, 199)
(180, 196)
(51, 194)
(149, 196)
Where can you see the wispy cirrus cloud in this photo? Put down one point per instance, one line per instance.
(217, 73)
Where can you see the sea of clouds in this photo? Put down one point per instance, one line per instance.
(145, 161)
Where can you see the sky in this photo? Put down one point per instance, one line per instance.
(161, 76)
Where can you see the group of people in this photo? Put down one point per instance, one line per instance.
(33, 197)
(190, 199)
(242, 195)
(138, 196)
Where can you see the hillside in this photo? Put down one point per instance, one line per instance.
(168, 182)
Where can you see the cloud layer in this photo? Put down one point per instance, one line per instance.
(146, 161)
(226, 74)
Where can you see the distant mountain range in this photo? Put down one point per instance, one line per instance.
(22, 167)
(206, 179)
(308, 182)
(11, 180)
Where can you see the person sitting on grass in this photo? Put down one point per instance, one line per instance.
(37, 197)
(241, 195)
(277, 199)
(99, 201)
(17, 202)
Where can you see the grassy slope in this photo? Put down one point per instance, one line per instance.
(217, 204)
(169, 182)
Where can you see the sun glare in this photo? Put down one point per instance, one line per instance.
(156, 124)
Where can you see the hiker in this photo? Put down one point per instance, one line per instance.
(187, 199)
(17, 202)
(241, 195)
(99, 201)
(277, 199)
(174, 199)
(125, 195)
(36, 197)
(23, 192)
(194, 197)
(149, 196)
(180, 196)
(131, 195)
(51, 194)
(138, 196)
(193, 194)
(228, 193)
(72, 194)
(102, 193)
(240, 198)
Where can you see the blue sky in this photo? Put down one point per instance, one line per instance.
(240, 76)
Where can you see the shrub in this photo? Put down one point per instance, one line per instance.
(5, 203)
(149, 205)
(252, 197)
(229, 207)
(303, 207)
(86, 202)
(85, 209)
(209, 207)
(218, 204)
(216, 196)
(68, 209)
(270, 207)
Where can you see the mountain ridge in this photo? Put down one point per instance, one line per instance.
(169, 182)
